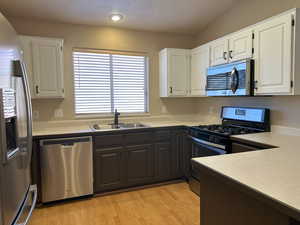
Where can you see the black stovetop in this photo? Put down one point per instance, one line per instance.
(226, 130)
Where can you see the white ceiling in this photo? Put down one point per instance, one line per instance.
(180, 16)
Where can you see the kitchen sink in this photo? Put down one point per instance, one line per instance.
(119, 126)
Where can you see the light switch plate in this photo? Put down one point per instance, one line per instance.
(58, 113)
(35, 115)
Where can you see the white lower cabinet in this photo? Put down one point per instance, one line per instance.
(199, 64)
(44, 61)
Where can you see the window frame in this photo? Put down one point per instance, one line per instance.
(109, 115)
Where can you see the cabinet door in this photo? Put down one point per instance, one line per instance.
(108, 169)
(219, 52)
(240, 46)
(140, 164)
(26, 46)
(163, 161)
(178, 71)
(199, 64)
(178, 153)
(187, 155)
(47, 67)
(273, 56)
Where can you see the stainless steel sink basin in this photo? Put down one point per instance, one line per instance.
(97, 127)
(131, 125)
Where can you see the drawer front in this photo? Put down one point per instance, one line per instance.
(108, 141)
(162, 135)
(138, 138)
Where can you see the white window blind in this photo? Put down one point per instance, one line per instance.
(105, 82)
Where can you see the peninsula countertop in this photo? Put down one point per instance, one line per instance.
(273, 173)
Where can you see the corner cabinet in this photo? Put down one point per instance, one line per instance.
(183, 72)
(174, 66)
(199, 65)
(44, 61)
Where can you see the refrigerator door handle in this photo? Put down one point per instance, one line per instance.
(2, 130)
(33, 190)
(28, 108)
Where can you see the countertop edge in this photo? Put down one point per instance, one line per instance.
(279, 205)
(100, 132)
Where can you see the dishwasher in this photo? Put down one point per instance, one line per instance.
(66, 168)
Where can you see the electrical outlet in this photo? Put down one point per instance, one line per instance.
(164, 109)
(35, 115)
(58, 113)
(211, 110)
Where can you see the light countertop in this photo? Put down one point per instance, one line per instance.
(60, 128)
(274, 173)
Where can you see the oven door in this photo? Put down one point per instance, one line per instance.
(234, 79)
(201, 148)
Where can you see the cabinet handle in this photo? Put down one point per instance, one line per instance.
(230, 54)
(171, 90)
(37, 91)
(225, 55)
(255, 85)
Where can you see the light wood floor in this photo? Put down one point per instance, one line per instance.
(172, 204)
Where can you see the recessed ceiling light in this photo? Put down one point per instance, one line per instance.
(116, 17)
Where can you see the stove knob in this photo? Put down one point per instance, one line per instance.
(211, 138)
(217, 140)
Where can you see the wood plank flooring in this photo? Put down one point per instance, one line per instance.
(172, 204)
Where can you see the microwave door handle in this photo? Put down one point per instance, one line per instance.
(234, 80)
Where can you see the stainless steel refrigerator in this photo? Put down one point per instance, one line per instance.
(17, 195)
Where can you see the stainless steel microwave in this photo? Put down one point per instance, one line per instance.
(232, 79)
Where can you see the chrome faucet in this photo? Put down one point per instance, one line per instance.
(116, 118)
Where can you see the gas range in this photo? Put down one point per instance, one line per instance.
(213, 140)
(235, 121)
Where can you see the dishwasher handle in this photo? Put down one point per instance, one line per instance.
(66, 142)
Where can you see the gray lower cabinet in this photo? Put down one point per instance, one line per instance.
(108, 169)
(137, 158)
(163, 161)
(139, 162)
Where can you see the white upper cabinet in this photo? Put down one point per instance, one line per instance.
(273, 45)
(240, 45)
(174, 72)
(219, 52)
(199, 64)
(235, 47)
(44, 60)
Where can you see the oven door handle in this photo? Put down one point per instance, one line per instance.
(216, 147)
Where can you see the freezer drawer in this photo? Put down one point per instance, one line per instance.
(66, 168)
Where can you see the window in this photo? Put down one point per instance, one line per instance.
(107, 81)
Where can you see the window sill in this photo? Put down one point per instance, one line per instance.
(102, 116)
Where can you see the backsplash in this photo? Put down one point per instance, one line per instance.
(285, 110)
